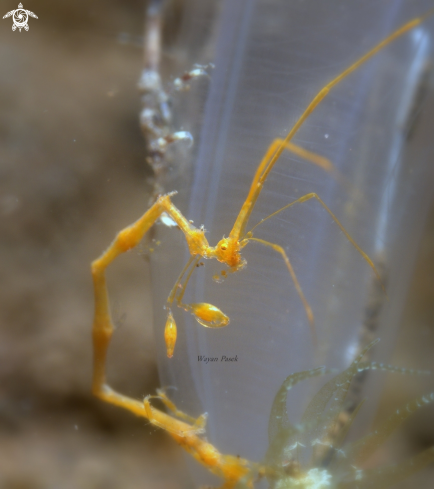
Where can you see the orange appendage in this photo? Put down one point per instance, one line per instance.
(208, 315)
(95, 268)
(127, 239)
(234, 469)
(170, 334)
(203, 452)
(231, 469)
(197, 242)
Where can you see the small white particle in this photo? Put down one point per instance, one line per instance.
(326, 136)
(167, 220)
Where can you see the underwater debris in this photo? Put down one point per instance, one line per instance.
(311, 455)
(156, 99)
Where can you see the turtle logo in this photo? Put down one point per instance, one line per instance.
(20, 17)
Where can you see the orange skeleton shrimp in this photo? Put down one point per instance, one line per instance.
(228, 249)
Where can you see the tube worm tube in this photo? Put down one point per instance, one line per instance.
(271, 59)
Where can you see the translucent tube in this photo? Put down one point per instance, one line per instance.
(271, 59)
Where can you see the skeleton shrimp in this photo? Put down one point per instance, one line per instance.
(185, 430)
(228, 249)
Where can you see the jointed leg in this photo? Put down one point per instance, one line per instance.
(313, 195)
(170, 330)
(231, 469)
(205, 314)
(179, 288)
(103, 325)
(197, 423)
(306, 305)
(169, 423)
(314, 158)
(127, 239)
(277, 143)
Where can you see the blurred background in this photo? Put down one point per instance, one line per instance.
(73, 173)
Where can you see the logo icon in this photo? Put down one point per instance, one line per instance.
(20, 17)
